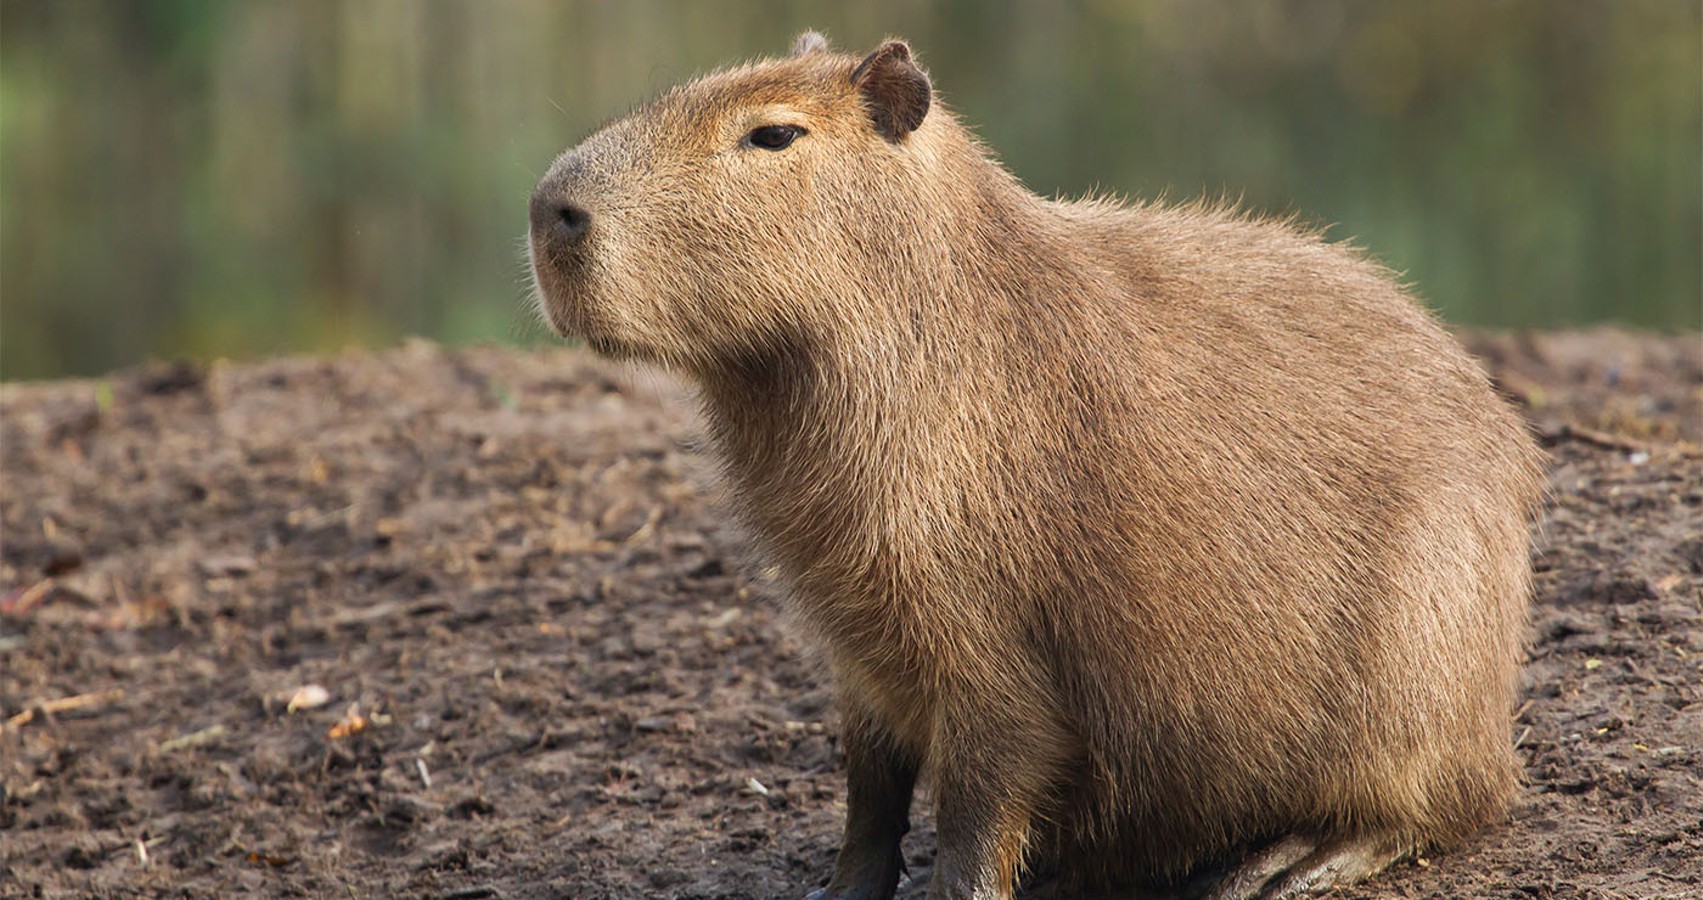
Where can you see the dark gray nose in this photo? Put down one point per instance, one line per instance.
(555, 220)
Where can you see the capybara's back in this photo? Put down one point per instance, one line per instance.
(1171, 545)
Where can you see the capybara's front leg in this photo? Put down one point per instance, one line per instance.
(879, 777)
(989, 781)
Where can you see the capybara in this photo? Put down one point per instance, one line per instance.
(1170, 546)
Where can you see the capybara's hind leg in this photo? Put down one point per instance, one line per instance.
(1245, 880)
(1335, 863)
(1298, 865)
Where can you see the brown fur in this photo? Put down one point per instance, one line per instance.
(1148, 534)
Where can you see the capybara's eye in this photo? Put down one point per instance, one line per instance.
(773, 137)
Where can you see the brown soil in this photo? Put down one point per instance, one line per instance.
(511, 568)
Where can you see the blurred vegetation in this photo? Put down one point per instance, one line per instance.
(233, 178)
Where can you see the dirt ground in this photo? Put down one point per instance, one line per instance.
(549, 671)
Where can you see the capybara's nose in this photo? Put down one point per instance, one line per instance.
(555, 220)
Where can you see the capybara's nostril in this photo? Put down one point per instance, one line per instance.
(557, 220)
(571, 222)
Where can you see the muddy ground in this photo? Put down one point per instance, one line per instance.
(550, 672)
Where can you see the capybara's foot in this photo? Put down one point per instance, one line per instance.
(1298, 865)
(865, 891)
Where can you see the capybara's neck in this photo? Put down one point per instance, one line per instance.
(849, 435)
(890, 344)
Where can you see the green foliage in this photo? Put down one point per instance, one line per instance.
(237, 178)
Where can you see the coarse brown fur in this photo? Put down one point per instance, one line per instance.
(1149, 535)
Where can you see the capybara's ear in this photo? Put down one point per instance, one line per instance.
(809, 42)
(897, 91)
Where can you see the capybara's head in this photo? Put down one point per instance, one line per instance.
(717, 220)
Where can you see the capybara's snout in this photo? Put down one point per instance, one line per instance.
(557, 222)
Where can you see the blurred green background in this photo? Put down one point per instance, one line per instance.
(207, 178)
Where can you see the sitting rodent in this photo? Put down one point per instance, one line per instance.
(1169, 545)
